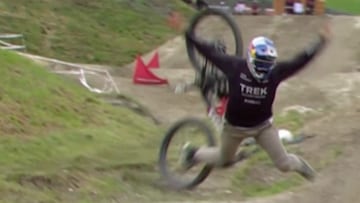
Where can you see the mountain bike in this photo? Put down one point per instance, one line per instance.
(214, 90)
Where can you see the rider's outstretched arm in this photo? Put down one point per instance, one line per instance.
(224, 62)
(287, 69)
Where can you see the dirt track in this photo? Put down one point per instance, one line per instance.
(329, 84)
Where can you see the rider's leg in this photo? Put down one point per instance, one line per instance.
(223, 155)
(269, 140)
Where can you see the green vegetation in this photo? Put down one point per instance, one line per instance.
(350, 6)
(107, 32)
(59, 143)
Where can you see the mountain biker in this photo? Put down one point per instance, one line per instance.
(253, 81)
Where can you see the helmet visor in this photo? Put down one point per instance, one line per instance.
(263, 66)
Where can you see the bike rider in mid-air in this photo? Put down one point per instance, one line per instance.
(253, 82)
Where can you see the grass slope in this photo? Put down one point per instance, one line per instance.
(59, 143)
(350, 6)
(108, 32)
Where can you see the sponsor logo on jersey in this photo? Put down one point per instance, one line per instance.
(253, 95)
(254, 92)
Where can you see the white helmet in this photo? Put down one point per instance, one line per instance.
(261, 58)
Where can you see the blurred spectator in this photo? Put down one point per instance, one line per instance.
(289, 5)
(310, 6)
(255, 7)
(240, 7)
(298, 7)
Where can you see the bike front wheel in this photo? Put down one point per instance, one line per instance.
(192, 130)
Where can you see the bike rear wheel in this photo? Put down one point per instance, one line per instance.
(230, 25)
(227, 37)
(201, 132)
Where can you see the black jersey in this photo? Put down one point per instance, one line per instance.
(249, 101)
